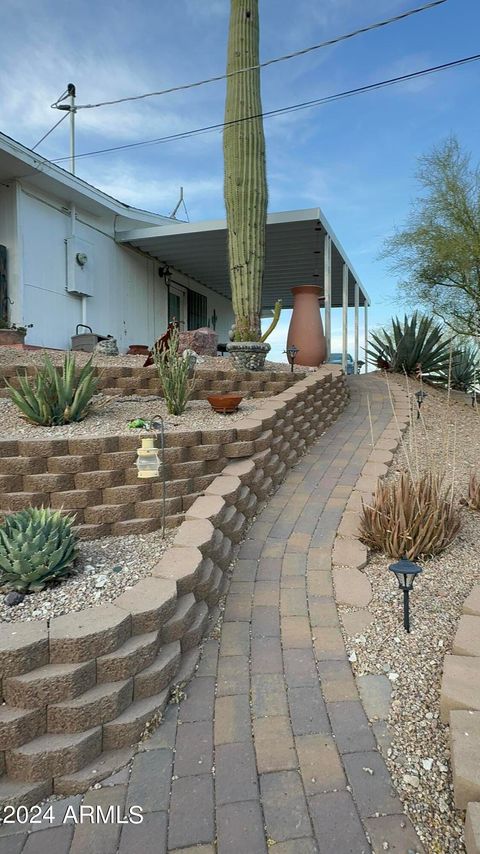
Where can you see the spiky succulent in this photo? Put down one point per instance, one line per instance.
(417, 343)
(37, 546)
(464, 371)
(53, 398)
(410, 517)
(174, 372)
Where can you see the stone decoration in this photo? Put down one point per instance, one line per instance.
(248, 355)
(107, 347)
(79, 690)
(203, 341)
(460, 708)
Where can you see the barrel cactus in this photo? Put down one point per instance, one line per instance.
(37, 547)
(245, 186)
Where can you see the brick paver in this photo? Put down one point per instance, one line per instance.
(271, 750)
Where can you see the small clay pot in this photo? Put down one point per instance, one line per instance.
(138, 350)
(225, 403)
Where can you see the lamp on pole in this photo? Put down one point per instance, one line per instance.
(291, 355)
(406, 572)
(148, 462)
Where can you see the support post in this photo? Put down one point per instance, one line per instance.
(327, 282)
(345, 317)
(72, 92)
(406, 611)
(356, 347)
(366, 335)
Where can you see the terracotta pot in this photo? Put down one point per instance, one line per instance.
(12, 338)
(225, 403)
(138, 350)
(306, 328)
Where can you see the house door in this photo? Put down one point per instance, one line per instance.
(177, 305)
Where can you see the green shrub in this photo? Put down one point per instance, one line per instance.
(52, 398)
(419, 341)
(37, 547)
(174, 372)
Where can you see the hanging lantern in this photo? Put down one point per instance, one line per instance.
(148, 462)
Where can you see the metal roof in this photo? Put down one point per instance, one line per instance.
(20, 163)
(294, 254)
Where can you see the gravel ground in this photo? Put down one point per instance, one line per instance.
(419, 754)
(103, 570)
(110, 415)
(10, 355)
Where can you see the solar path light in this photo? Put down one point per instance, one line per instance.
(406, 572)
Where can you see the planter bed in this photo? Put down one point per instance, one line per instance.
(88, 683)
(102, 571)
(400, 674)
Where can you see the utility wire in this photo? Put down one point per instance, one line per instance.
(283, 110)
(49, 132)
(283, 58)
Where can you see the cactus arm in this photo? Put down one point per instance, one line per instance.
(276, 317)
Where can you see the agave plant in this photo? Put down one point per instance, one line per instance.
(37, 546)
(411, 516)
(464, 369)
(417, 344)
(54, 398)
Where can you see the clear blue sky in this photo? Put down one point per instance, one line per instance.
(355, 158)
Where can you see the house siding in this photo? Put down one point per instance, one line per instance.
(129, 298)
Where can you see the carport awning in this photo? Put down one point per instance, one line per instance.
(295, 249)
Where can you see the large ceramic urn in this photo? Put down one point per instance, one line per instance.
(306, 328)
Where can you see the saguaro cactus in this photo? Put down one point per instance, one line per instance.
(245, 186)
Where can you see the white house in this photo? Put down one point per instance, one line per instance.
(74, 255)
(65, 267)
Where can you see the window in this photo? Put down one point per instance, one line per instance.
(197, 310)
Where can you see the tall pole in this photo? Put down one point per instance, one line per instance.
(327, 288)
(357, 300)
(345, 317)
(72, 92)
(366, 334)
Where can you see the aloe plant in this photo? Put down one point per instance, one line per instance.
(37, 547)
(410, 516)
(52, 398)
(418, 342)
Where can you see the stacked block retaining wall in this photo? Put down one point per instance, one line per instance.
(79, 689)
(95, 477)
(123, 380)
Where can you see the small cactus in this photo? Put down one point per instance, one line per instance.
(174, 372)
(37, 547)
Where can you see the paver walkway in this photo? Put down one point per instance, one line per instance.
(271, 750)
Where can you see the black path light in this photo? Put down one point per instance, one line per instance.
(420, 395)
(291, 355)
(406, 571)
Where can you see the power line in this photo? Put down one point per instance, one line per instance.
(283, 58)
(327, 99)
(49, 132)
